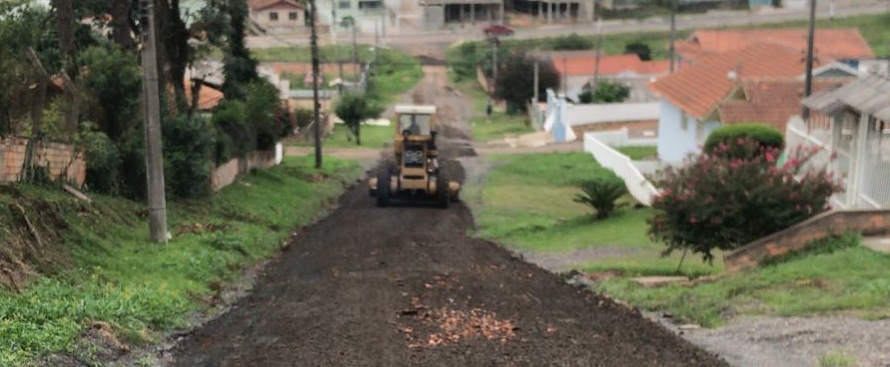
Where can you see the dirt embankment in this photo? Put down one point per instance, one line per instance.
(34, 224)
(406, 286)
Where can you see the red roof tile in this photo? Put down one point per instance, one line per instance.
(769, 102)
(584, 65)
(208, 97)
(697, 88)
(829, 43)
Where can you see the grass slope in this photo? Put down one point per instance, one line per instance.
(140, 288)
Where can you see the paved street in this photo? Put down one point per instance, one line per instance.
(441, 38)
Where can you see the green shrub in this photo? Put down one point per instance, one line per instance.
(235, 138)
(718, 201)
(726, 140)
(102, 159)
(601, 193)
(261, 108)
(572, 42)
(188, 157)
(304, 116)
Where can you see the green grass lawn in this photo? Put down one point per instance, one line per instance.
(142, 289)
(525, 203)
(372, 137)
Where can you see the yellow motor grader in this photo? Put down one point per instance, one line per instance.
(416, 174)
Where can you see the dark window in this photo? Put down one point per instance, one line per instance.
(292, 15)
(344, 4)
(273, 16)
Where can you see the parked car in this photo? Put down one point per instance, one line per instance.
(497, 30)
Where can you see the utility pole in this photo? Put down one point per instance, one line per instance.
(334, 22)
(354, 50)
(315, 104)
(596, 60)
(535, 100)
(494, 65)
(808, 85)
(154, 158)
(673, 33)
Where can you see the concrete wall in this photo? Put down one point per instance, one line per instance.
(676, 141)
(226, 173)
(63, 160)
(833, 223)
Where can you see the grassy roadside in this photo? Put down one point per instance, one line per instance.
(525, 203)
(143, 290)
(499, 125)
(372, 137)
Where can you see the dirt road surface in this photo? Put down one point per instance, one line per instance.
(405, 286)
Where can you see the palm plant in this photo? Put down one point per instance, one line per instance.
(600, 194)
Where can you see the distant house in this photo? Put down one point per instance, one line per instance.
(761, 82)
(578, 68)
(278, 15)
(859, 137)
(830, 44)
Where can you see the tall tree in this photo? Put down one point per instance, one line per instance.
(122, 23)
(515, 82)
(239, 65)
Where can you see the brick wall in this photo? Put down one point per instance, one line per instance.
(832, 223)
(56, 156)
(228, 172)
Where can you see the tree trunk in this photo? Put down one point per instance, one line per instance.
(358, 134)
(196, 91)
(120, 24)
(65, 27)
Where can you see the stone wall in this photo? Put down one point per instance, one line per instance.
(228, 172)
(832, 223)
(63, 160)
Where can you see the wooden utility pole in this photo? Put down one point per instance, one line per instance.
(494, 65)
(596, 60)
(673, 33)
(315, 104)
(537, 82)
(808, 84)
(154, 158)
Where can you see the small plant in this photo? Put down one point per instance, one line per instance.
(601, 194)
(836, 359)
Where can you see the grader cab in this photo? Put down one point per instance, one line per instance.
(416, 174)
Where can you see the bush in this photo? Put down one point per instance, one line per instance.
(715, 201)
(601, 193)
(304, 117)
(261, 110)
(102, 159)
(234, 137)
(606, 92)
(188, 157)
(572, 42)
(767, 136)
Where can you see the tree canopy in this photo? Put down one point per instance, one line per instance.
(515, 83)
(354, 108)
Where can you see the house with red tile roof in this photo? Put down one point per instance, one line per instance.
(761, 81)
(835, 44)
(578, 68)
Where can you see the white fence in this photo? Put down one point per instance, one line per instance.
(599, 143)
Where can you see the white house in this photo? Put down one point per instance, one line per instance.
(749, 85)
(859, 137)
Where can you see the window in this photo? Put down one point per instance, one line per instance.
(344, 4)
(684, 121)
(292, 15)
(700, 132)
(273, 16)
(415, 124)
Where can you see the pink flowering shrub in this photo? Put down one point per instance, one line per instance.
(718, 201)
